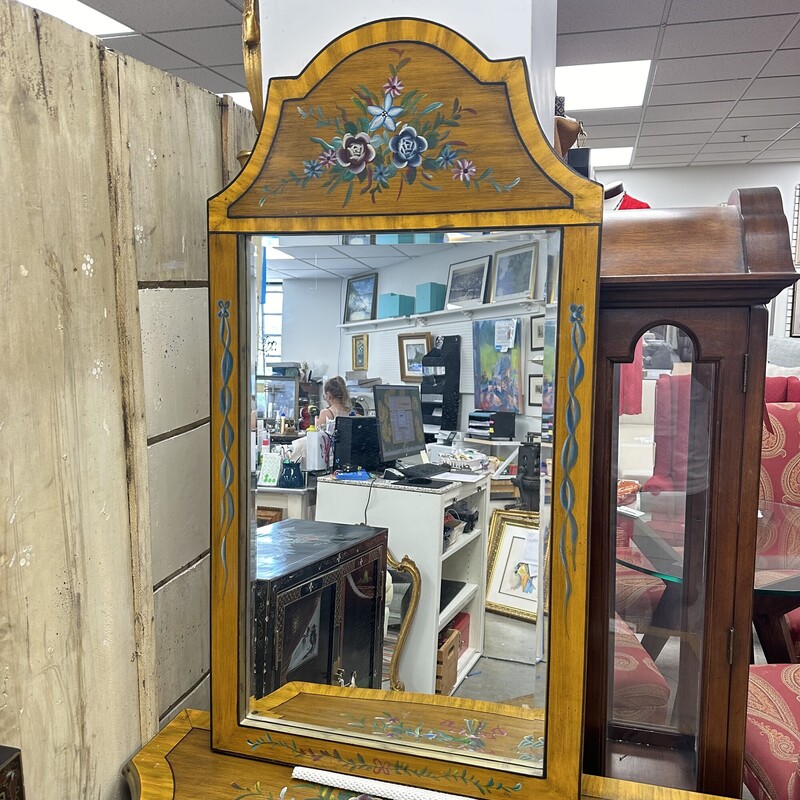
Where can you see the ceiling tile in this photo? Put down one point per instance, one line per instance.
(575, 16)
(746, 124)
(376, 262)
(605, 47)
(785, 144)
(709, 68)
(778, 158)
(233, 71)
(673, 139)
(614, 141)
(755, 134)
(680, 126)
(688, 111)
(699, 10)
(146, 16)
(610, 116)
(206, 45)
(743, 148)
(758, 108)
(361, 252)
(200, 76)
(724, 36)
(149, 51)
(773, 87)
(793, 39)
(708, 158)
(332, 264)
(784, 62)
(666, 160)
(679, 149)
(697, 92)
(610, 130)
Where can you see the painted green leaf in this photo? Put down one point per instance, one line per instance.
(431, 107)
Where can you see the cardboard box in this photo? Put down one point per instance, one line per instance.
(430, 297)
(395, 305)
(447, 661)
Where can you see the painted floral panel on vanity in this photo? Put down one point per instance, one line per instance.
(399, 125)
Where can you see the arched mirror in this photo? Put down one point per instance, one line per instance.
(401, 155)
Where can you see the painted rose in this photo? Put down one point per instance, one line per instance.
(356, 152)
(407, 148)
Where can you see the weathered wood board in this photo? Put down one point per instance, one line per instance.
(68, 662)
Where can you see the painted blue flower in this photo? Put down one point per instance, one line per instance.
(381, 175)
(447, 157)
(407, 148)
(385, 114)
(313, 169)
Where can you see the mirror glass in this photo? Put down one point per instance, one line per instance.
(455, 323)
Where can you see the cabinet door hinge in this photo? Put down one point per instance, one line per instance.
(730, 645)
(744, 373)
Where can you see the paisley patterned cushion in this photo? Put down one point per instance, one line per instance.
(772, 742)
(780, 455)
(640, 692)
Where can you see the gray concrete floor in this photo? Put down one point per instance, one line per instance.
(507, 669)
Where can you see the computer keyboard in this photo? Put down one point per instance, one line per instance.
(424, 470)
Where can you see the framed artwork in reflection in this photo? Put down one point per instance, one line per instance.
(361, 299)
(515, 273)
(360, 351)
(466, 283)
(412, 347)
(512, 575)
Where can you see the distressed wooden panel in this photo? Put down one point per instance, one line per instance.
(67, 658)
(179, 470)
(175, 357)
(239, 133)
(182, 633)
(175, 166)
(199, 698)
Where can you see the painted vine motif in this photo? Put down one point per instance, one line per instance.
(394, 138)
(323, 792)
(473, 735)
(397, 768)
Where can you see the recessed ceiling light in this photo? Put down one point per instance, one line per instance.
(611, 156)
(80, 16)
(615, 85)
(240, 98)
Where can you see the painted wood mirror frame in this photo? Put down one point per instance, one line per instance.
(528, 187)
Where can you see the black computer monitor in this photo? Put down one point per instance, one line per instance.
(399, 413)
(355, 444)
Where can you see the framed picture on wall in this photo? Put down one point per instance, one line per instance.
(537, 333)
(466, 283)
(512, 575)
(360, 351)
(361, 298)
(412, 347)
(515, 273)
(535, 390)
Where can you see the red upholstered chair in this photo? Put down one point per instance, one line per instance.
(772, 740)
(640, 692)
(779, 479)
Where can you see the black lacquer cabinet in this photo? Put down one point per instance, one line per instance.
(317, 600)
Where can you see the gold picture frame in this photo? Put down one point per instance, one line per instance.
(411, 348)
(359, 346)
(512, 582)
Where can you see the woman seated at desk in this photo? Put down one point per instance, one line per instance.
(338, 399)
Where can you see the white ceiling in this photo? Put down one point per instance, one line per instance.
(724, 86)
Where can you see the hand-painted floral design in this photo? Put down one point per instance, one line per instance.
(355, 153)
(407, 148)
(389, 137)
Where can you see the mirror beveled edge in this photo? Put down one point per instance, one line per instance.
(580, 220)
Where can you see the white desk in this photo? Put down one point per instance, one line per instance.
(295, 503)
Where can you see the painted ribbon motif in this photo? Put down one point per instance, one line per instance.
(226, 434)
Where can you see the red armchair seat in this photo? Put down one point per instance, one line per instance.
(640, 692)
(772, 740)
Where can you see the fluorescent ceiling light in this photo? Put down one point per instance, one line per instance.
(80, 16)
(240, 98)
(616, 85)
(611, 156)
(270, 244)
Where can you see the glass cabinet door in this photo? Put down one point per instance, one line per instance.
(660, 450)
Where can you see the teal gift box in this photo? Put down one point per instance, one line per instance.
(395, 305)
(430, 297)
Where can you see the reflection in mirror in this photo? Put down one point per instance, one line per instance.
(660, 521)
(481, 338)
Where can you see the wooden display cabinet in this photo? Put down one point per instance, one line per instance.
(682, 298)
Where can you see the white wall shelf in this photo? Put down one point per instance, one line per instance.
(485, 311)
